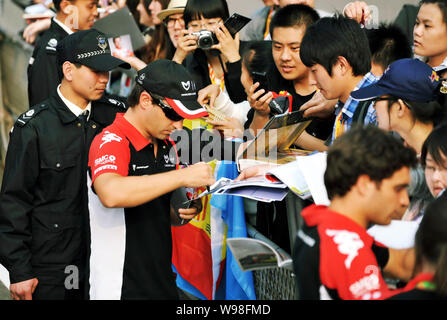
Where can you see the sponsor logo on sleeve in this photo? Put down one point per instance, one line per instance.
(105, 159)
(109, 137)
(105, 167)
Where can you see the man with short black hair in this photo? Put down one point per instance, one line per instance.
(337, 52)
(133, 166)
(366, 179)
(43, 200)
(288, 73)
(258, 28)
(43, 75)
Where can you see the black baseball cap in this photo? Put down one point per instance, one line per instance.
(173, 82)
(89, 48)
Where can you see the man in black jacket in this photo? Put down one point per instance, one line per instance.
(43, 73)
(43, 200)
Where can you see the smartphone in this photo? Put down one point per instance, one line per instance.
(179, 199)
(261, 77)
(235, 23)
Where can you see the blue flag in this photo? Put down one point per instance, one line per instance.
(239, 285)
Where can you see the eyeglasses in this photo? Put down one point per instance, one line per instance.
(167, 109)
(209, 24)
(170, 22)
(393, 101)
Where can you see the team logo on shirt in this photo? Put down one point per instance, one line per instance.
(365, 287)
(169, 160)
(349, 243)
(109, 137)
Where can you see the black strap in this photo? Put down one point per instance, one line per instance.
(361, 111)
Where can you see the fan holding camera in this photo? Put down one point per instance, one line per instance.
(209, 47)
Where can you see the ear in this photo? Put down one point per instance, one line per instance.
(402, 109)
(145, 101)
(65, 6)
(67, 70)
(364, 186)
(342, 66)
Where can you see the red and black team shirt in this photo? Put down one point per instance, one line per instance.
(335, 258)
(130, 248)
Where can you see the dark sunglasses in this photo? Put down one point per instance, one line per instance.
(167, 109)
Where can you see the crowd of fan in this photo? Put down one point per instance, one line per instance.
(337, 70)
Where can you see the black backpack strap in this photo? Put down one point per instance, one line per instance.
(361, 111)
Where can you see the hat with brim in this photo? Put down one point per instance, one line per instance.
(407, 79)
(89, 48)
(105, 62)
(187, 109)
(172, 82)
(174, 7)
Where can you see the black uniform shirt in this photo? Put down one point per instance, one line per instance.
(43, 198)
(43, 73)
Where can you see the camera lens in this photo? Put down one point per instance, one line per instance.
(205, 42)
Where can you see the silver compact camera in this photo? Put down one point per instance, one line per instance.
(205, 39)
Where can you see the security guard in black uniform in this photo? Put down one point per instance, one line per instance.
(43, 200)
(43, 72)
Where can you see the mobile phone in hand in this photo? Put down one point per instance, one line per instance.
(235, 23)
(179, 199)
(261, 77)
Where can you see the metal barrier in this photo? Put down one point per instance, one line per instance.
(273, 283)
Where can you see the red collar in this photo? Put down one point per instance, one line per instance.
(135, 137)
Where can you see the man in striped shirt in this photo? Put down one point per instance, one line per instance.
(337, 51)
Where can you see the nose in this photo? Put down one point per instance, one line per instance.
(95, 12)
(312, 80)
(405, 199)
(417, 30)
(103, 77)
(179, 24)
(178, 124)
(285, 55)
(437, 175)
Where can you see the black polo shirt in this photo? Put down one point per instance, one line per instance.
(131, 248)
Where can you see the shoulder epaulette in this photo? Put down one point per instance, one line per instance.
(31, 113)
(114, 101)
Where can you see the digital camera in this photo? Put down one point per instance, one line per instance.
(205, 39)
